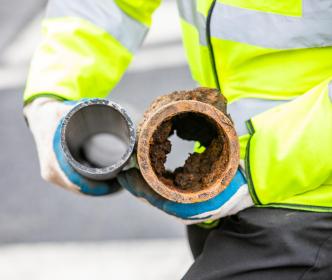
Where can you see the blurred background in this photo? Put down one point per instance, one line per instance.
(49, 233)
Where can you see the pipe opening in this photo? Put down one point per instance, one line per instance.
(200, 170)
(179, 153)
(97, 136)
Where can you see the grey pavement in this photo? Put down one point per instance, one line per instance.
(32, 210)
(14, 14)
(121, 259)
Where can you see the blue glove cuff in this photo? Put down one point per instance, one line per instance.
(134, 183)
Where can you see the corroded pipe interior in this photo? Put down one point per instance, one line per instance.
(205, 174)
(199, 169)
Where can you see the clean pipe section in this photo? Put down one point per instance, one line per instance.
(98, 138)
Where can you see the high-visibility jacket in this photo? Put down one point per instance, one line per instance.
(272, 59)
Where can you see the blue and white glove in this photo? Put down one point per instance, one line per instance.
(44, 116)
(233, 199)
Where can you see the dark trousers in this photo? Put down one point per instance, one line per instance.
(264, 243)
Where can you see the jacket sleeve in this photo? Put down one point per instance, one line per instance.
(290, 148)
(86, 46)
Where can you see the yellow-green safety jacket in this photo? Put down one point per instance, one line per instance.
(272, 59)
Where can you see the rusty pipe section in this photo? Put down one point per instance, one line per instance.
(200, 115)
(98, 138)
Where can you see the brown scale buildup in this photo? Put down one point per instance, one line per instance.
(196, 173)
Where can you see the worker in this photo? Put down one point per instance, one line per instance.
(272, 59)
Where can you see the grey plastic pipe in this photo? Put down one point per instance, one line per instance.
(98, 138)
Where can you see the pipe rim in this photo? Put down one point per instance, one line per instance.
(169, 111)
(98, 172)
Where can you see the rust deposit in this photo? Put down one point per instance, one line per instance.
(196, 115)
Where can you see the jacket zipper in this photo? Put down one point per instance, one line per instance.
(250, 183)
(208, 37)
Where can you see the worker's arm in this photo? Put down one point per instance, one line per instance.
(289, 153)
(86, 46)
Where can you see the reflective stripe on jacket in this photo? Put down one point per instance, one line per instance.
(87, 46)
(271, 59)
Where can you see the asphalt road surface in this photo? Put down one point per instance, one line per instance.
(14, 14)
(32, 210)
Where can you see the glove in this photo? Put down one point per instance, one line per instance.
(233, 199)
(44, 117)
